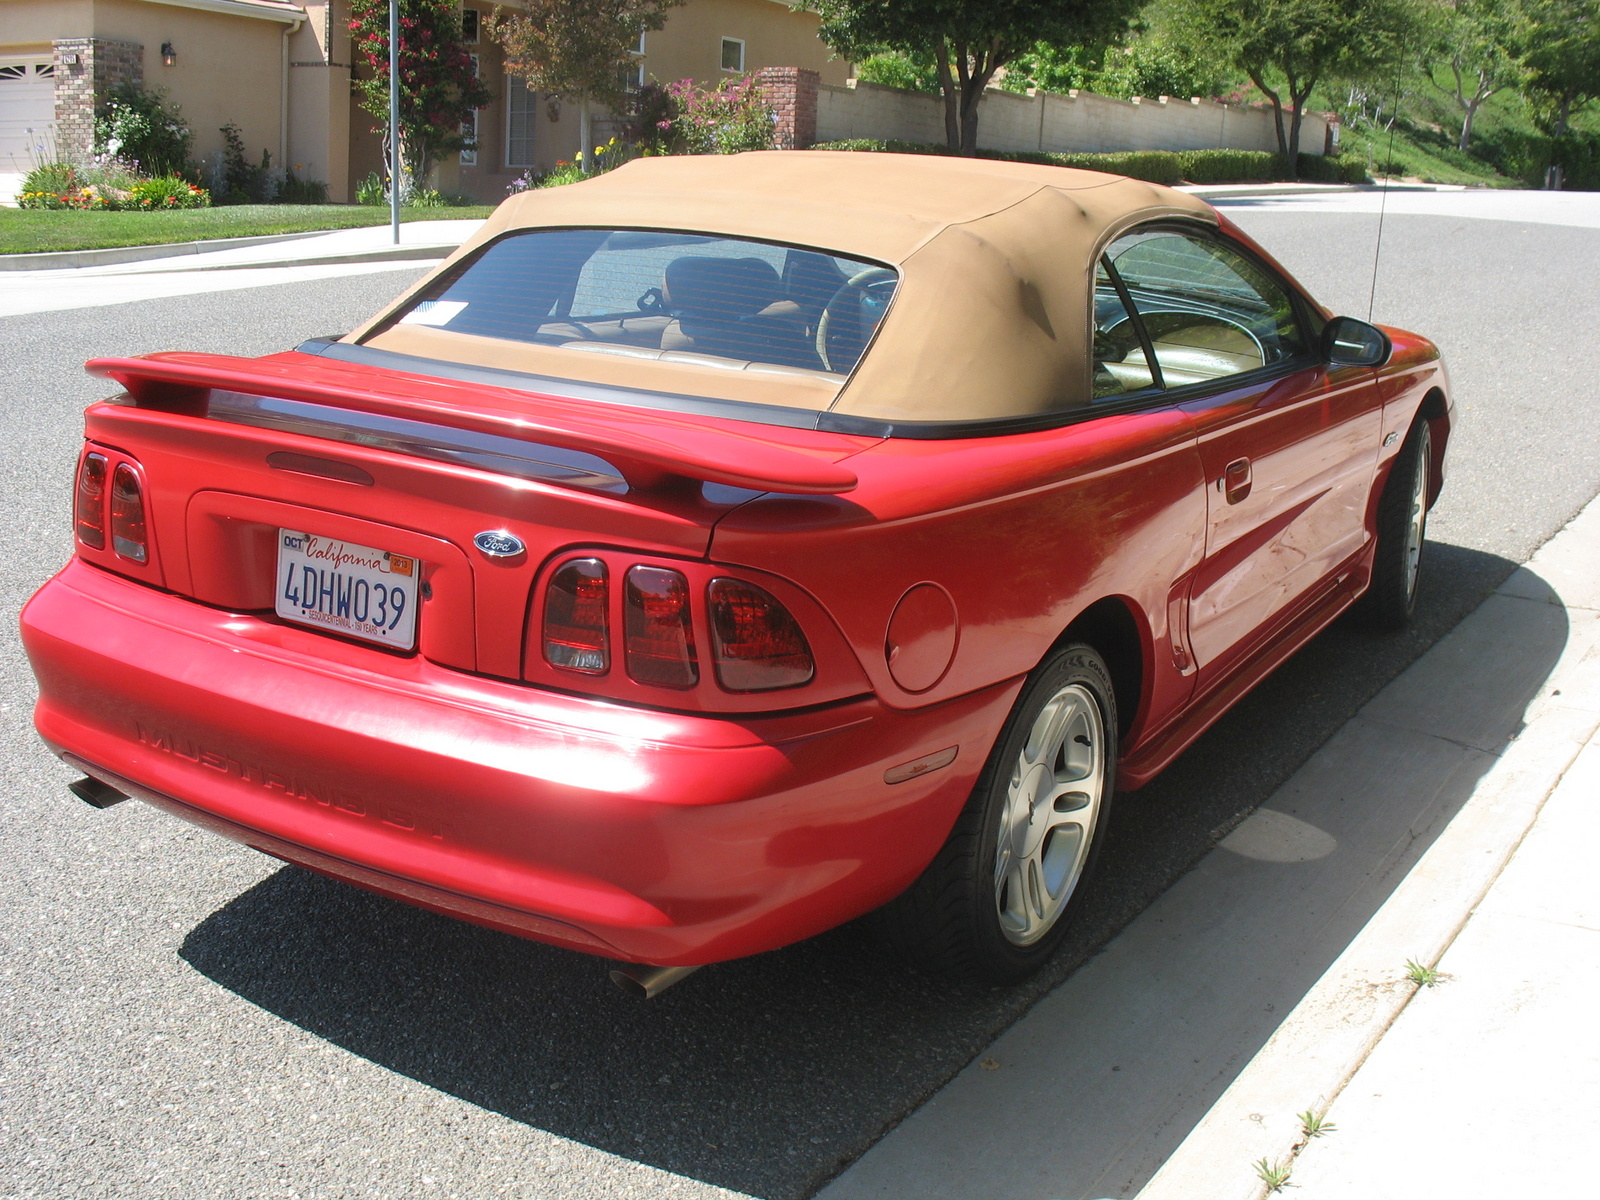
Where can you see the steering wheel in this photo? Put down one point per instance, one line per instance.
(851, 292)
(1116, 342)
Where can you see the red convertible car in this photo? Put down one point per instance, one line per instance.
(724, 548)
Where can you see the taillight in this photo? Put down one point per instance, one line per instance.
(128, 536)
(756, 642)
(575, 618)
(89, 504)
(658, 632)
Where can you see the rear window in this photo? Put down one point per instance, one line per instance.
(670, 296)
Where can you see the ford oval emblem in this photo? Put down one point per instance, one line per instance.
(497, 543)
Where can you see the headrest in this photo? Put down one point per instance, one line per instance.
(720, 287)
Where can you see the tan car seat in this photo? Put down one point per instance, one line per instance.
(734, 308)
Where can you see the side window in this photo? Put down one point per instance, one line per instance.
(1208, 310)
(1120, 365)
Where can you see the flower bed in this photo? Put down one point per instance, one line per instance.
(107, 186)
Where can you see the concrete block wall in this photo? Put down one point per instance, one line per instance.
(1047, 122)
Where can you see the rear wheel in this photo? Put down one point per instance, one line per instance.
(1402, 523)
(997, 900)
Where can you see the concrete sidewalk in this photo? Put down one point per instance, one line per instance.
(1258, 986)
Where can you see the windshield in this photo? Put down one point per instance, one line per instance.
(668, 296)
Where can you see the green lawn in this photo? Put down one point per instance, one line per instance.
(1416, 157)
(28, 230)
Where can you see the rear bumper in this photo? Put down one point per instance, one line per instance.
(649, 836)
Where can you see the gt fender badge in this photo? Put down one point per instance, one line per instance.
(497, 543)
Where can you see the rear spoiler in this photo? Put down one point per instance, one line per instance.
(652, 451)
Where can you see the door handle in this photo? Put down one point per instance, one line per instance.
(1235, 481)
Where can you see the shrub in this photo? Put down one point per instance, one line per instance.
(243, 182)
(48, 185)
(431, 198)
(1528, 156)
(102, 183)
(731, 117)
(650, 126)
(294, 190)
(897, 69)
(1229, 166)
(1317, 168)
(370, 191)
(166, 191)
(1154, 166)
(135, 126)
(1151, 66)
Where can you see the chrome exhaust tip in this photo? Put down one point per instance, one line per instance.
(648, 982)
(95, 793)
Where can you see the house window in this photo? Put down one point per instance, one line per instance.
(522, 110)
(732, 54)
(469, 25)
(632, 74)
(469, 127)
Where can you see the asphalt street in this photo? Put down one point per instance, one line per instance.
(183, 1017)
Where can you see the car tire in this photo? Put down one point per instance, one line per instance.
(1391, 597)
(998, 898)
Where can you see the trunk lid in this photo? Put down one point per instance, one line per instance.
(234, 450)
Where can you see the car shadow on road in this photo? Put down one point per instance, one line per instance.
(770, 1075)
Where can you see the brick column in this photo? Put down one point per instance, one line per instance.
(792, 93)
(86, 71)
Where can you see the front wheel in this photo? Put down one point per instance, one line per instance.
(996, 901)
(1402, 522)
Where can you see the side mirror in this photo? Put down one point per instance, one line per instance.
(1347, 342)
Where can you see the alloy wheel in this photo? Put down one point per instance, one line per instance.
(1047, 822)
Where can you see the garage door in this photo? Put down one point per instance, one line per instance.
(27, 103)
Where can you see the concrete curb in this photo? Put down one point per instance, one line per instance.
(1271, 191)
(59, 259)
(1328, 1035)
(1229, 191)
(66, 259)
(386, 254)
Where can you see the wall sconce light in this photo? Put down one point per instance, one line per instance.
(169, 56)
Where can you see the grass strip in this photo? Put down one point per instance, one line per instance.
(31, 231)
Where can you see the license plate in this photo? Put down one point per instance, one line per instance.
(339, 586)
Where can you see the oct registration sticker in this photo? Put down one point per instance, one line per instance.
(345, 588)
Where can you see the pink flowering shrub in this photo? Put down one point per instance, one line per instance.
(684, 118)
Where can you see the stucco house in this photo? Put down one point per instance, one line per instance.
(281, 72)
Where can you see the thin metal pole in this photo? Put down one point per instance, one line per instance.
(394, 118)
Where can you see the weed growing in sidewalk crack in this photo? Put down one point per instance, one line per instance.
(1313, 1126)
(1274, 1175)
(1419, 974)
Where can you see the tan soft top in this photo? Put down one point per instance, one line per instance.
(993, 312)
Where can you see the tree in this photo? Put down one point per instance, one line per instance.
(969, 40)
(1302, 43)
(577, 50)
(1475, 41)
(438, 90)
(1562, 54)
